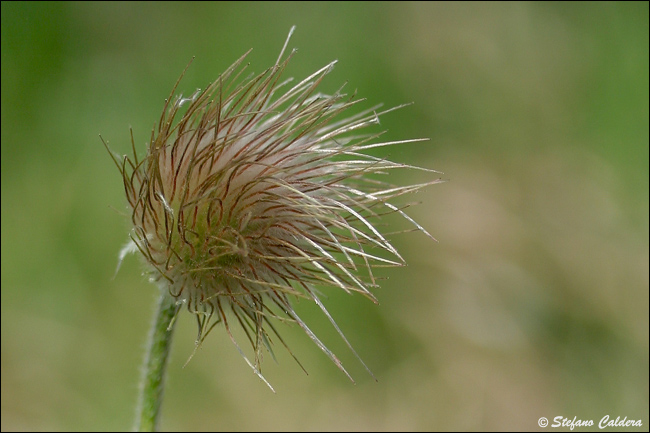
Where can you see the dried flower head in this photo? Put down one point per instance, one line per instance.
(257, 190)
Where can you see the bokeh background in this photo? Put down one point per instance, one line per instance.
(533, 303)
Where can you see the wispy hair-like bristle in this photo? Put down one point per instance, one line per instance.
(257, 190)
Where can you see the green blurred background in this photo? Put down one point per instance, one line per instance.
(534, 302)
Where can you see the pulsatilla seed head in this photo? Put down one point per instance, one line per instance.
(257, 190)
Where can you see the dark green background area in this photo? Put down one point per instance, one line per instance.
(533, 303)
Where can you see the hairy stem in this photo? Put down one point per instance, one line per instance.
(155, 363)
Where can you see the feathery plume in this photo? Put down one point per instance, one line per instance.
(255, 191)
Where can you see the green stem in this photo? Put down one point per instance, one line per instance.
(153, 374)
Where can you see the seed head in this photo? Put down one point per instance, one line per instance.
(255, 191)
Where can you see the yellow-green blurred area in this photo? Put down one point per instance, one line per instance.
(533, 303)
